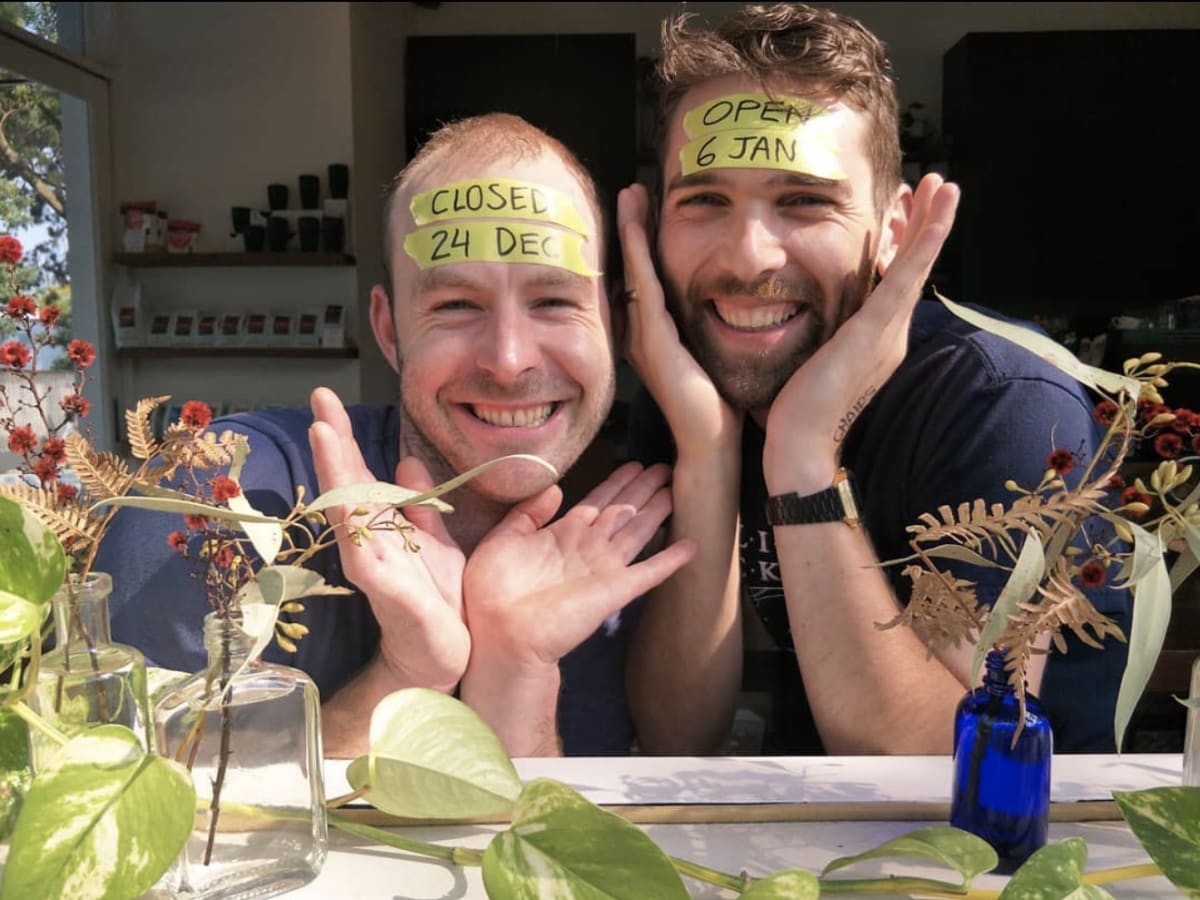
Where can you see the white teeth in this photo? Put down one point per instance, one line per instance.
(509, 417)
(765, 316)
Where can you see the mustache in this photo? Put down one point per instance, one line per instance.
(768, 287)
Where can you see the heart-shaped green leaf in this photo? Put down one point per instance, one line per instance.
(432, 757)
(1054, 873)
(15, 772)
(563, 846)
(960, 850)
(793, 884)
(32, 562)
(102, 820)
(1167, 822)
(18, 618)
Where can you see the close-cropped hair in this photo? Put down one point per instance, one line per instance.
(815, 52)
(483, 139)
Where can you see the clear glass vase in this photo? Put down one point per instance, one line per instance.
(252, 740)
(1001, 792)
(1191, 741)
(87, 680)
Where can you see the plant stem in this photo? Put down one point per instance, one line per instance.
(459, 856)
(336, 802)
(35, 721)
(1121, 873)
(895, 884)
(737, 883)
(223, 752)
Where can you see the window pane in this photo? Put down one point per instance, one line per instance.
(58, 23)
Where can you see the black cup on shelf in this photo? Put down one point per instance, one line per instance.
(310, 234)
(310, 191)
(333, 234)
(339, 181)
(241, 218)
(278, 234)
(255, 237)
(277, 196)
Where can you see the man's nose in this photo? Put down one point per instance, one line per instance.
(511, 345)
(755, 248)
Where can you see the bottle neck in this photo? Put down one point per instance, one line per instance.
(81, 612)
(226, 643)
(995, 678)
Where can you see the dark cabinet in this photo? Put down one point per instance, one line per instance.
(1078, 164)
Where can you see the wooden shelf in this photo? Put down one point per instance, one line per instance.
(230, 260)
(348, 352)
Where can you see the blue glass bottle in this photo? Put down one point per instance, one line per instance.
(1001, 792)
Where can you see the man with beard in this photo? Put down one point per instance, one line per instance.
(782, 373)
(495, 318)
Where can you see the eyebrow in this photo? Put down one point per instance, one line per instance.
(780, 179)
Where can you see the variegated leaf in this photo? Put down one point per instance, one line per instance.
(1054, 873)
(960, 850)
(32, 563)
(792, 884)
(1167, 822)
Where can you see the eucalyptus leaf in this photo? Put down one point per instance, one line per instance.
(1049, 350)
(960, 850)
(18, 618)
(1054, 873)
(267, 538)
(432, 757)
(32, 562)
(792, 884)
(563, 846)
(962, 554)
(1147, 554)
(260, 598)
(1026, 576)
(1189, 560)
(1147, 631)
(102, 820)
(186, 507)
(1166, 820)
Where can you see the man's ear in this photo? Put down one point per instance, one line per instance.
(894, 224)
(383, 324)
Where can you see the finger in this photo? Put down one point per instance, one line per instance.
(412, 474)
(644, 576)
(605, 492)
(633, 498)
(350, 468)
(641, 527)
(529, 515)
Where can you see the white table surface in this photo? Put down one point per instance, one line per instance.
(360, 869)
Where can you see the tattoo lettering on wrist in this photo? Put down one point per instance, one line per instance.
(847, 420)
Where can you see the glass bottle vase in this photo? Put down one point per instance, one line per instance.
(252, 741)
(87, 680)
(1001, 791)
(1191, 741)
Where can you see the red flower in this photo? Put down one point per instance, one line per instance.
(1150, 411)
(1092, 574)
(14, 354)
(1196, 443)
(223, 558)
(224, 487)
(1116, 483)
(1061, 461)
(20, 305)
(1132, 495)
(49, 315)
(10, 250)
(1185, 421)
(196, 415)
(55, 449)
(76, 405)
(177, 540)
(22, 439)
(81, 352)
(66, 492)
(46, 469)
(1168, 445)
(195, 523)
(1105, 412)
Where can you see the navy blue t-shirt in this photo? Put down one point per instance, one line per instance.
(964, 412)
(158, 604)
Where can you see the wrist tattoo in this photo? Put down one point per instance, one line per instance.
(847, 420)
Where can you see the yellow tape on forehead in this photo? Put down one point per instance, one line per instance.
(754, 131)
(462, 242)
(497, 198)
(749, 111)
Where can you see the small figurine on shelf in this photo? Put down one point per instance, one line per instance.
(137, 220)
(182, 236)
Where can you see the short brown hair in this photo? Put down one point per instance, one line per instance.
(483, 139)
(792, 47)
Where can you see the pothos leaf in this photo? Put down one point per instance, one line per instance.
(1025, 577)
(18, 618)
(792, 884)
(32, 562)
(1054, 873)
(561, 845)
(1166, 821)
(432, 757)
(960, 850)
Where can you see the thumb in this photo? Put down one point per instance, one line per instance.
(529, 515)
(412, 474)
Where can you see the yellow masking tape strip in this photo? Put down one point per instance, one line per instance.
(496, 198)
(742, 111)
(439, 245)
(796, 150)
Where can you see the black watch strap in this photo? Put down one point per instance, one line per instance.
(837, 503)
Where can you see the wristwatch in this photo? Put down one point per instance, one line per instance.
(838, 502)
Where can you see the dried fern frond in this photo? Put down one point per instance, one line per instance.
(182, 447)
(103, 475)
(939, 610)
(137, 424)
(70, 520)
